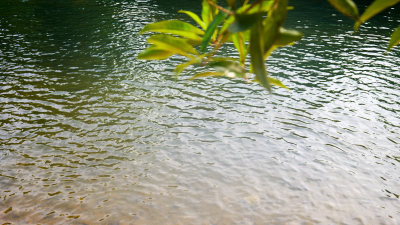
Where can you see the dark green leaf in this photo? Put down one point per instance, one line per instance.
(243, 22)
(211, 29)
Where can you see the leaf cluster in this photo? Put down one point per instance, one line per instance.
(254, 27)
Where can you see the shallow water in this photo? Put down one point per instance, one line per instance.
(90, 135)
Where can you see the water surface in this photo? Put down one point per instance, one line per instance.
(90, 135)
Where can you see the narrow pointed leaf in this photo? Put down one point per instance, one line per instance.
(257, 54)
(152, 53)
(207, 74)
(174, 27)
(174, 44)
(178, 69)
(287, 37)
(206, 13)
(276, 82)
(395, 39)
(376, 7)
(195, 17)
(346, 7)
(243, 22)
(240, 45)
(211, 29)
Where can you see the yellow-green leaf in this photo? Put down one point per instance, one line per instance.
(153, 53)
(287, 37)
(176, 27)
(179, 68)
(346, 7)
(231, 69)
(174, 44)
(207, 74)
(376, 7)
(240, 45)
(195, 17)
(276, 82)
(206, 13)
(395, 39)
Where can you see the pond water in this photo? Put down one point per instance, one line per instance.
(90, 135)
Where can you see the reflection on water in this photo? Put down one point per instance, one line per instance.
(90, 135)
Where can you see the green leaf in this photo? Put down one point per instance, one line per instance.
(173, 44)
(277, 82)
(178, 69)
(240, 45)
(195, 17)
(174, 27)
(231, 69)
(207, 74)
(376, 7)
(231, 3)
(243, 22)
(257, 54)
(287, 37)
(265, 7)
(211, 29)
(206, 13)
(153, 53)
(346, 7)
(395, 39)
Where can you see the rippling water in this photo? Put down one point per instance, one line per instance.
(90, 135)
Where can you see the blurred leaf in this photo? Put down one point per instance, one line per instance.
(277, 82)
(240, 45)
(178, 69)
(153, 53)
(376, 7)
(257, 54)
(395, 39)
(211, 29)
(273, 23)
(207, 74)
(346, 7)
(265, 7)
(287, 37)
(231, 69)
(231, 3)
(195, 17)
(206, 13)
(243, 22)
(173, 44)
(174, 27)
